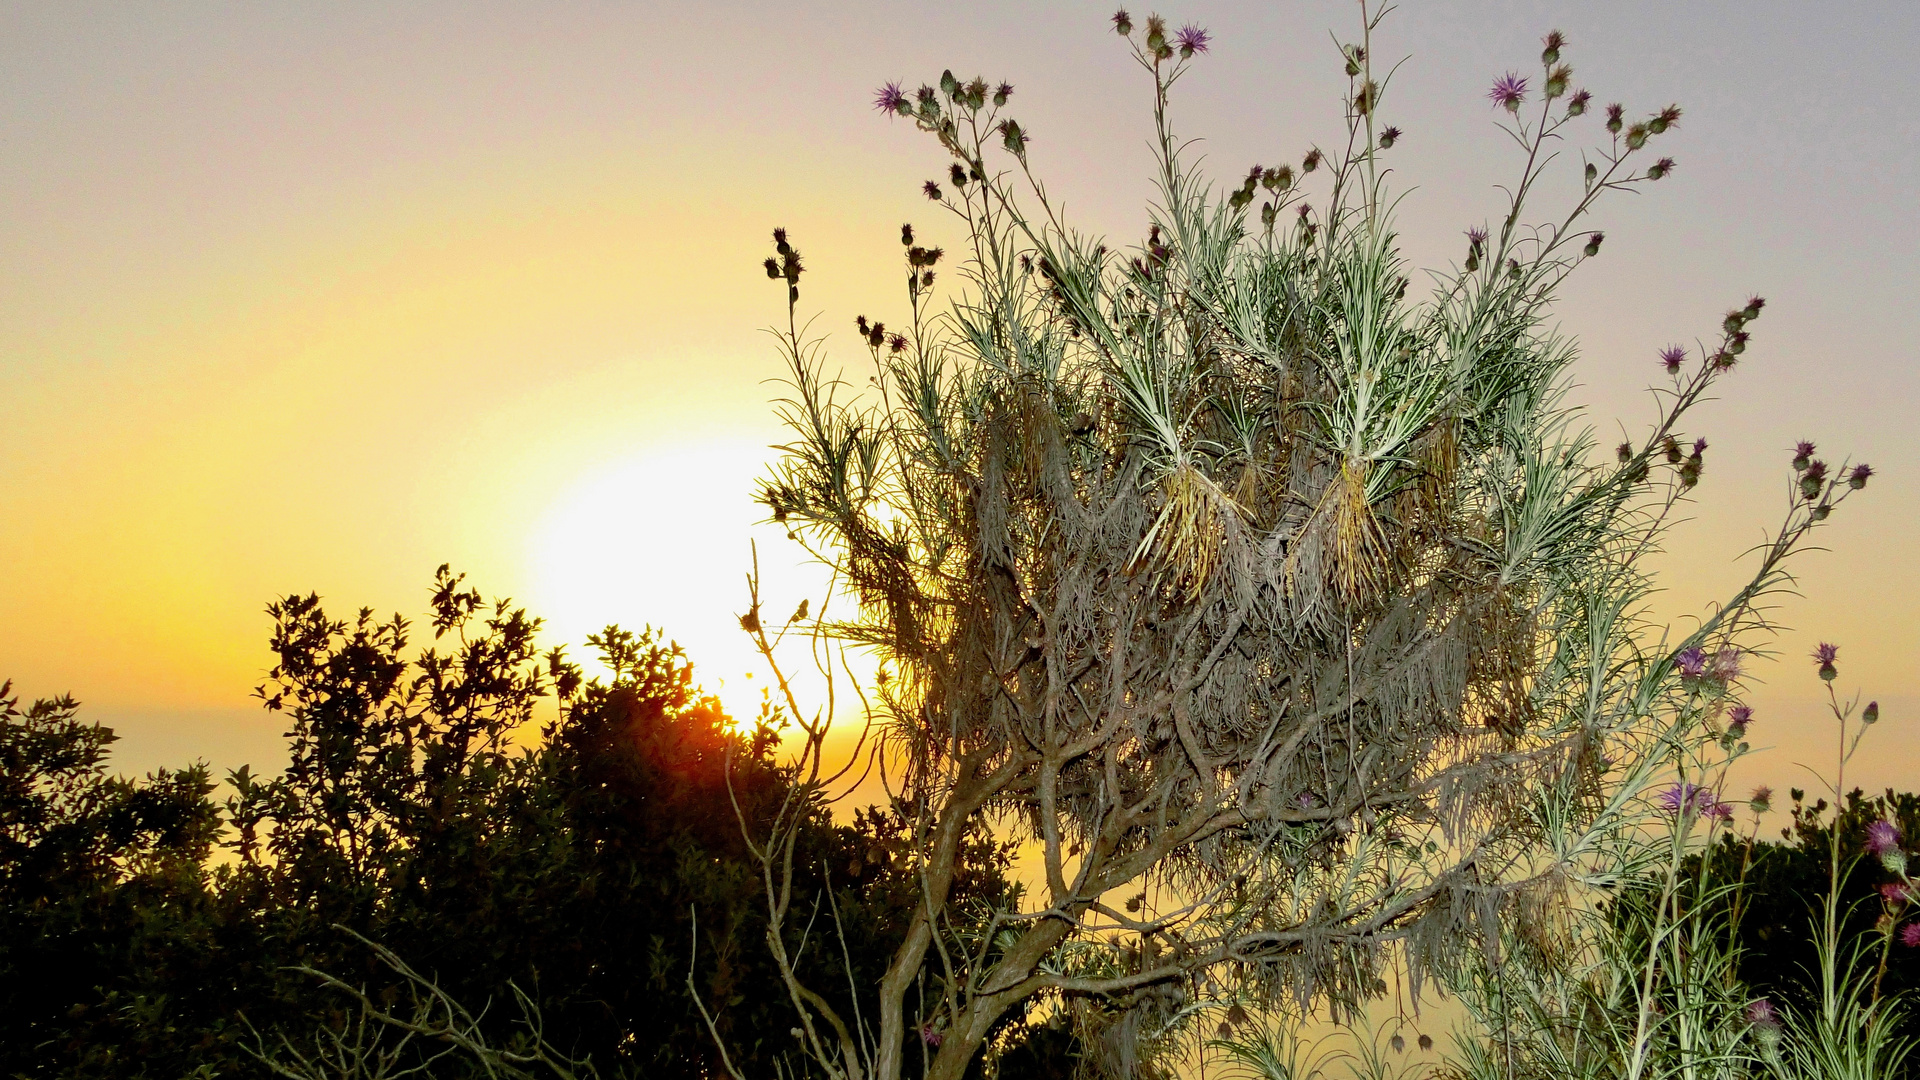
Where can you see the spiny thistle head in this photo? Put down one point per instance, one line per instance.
(1508, 92)
(1825, 655)
(1389, 137)
(1910, 935)
(892, 100)
(1664, 119)
(1802, 455)
(1872, 713)
(1001, 93)
(931, 189)
(1761, 800)
(1557, 80)
(1692, 663)
(1553, 43)
(1191, 39)
(1857, 478)
(1614, 114)
(1122, 22)
(1577, 104)
(1672, 357)
(1594, 240)
(1660, 169)
(1882, 836)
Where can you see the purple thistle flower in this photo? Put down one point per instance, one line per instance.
(1699, 447)
(1508, 92)
(1826, 654)
(1883, 836)
(890, 98)
(1895, 893)
(1673, 356)
(1803, 449)
(1694, 799)
(1192, 39)
(1857, 479)
(1476, 236)
(1910, 935)
(1726, 666)
(1002, 92)
(1742, 715)
(1577, 104)
(1122, 22)
(930, 1036)
(1762, 799)
(1692, 662)
(1762, 1014)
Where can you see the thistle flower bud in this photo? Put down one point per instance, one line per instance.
(1762, 800)
(1857, 479)
(1636, 136)
(1764, 1021)
(1671, 447)
(1813, 479)
(949, 85)
(1819, 513)
(1614, 113)
(926, 280)
(1592, 174)
(1593, 244)
(1664, 119)
(931, 189)
(1883, 842)
(1577, 104)
(1557, 80)
(1553, 43)
(1389, 137)
(906, 235)
(1624, 452)
(897, 343)
(1660, 169)
(773, 269)
(1122, 23)
(1013, 139)
(1738, 343)
(1802, 455)
(1752, 310)
(1268, 212)
(1672, 357)
(1310, 162)
(1156, 34)
(1825, 655)
(1363, 101)
(1871, 715)
(1191, 39)
(860, 324)
(1508, 92)
(1734, 321)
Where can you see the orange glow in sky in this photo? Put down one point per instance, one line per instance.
(317, 298)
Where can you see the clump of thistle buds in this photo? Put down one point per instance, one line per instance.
(785, 264)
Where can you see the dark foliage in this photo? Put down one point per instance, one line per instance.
(580, 869)
(1782, 886)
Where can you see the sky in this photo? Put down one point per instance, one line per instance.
(318, 297)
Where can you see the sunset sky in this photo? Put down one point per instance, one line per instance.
(317, 297)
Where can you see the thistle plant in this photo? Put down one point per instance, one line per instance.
(1279, 601)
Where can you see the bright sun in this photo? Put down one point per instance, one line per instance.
(664, 538)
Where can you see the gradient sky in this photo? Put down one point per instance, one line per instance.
(320, 296)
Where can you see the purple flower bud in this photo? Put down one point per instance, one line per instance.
(1613, 117)
(1826, 654)
(1577, 104)
(1664, 119)
(1871, 715)
(891, 99)
(930, 1036)
(1741, 714)
(1552, 44)
(1762, 1014)
(1882, 836)
(1726, 665)
(1910, 935)
(1694, 800)
(1593, 244)
(1002, 92)
(1191, 39)
(1673, 356)
(932, 190)
(1692, 663)
(1659, 169)
(1389, 137)
(1857, 479)
(1762, 799)
(1508, 92)
(1476, 236)
(1752, 310)
(1122, 22)
(1699, 447)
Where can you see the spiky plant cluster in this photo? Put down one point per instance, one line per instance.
(1255, 581)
